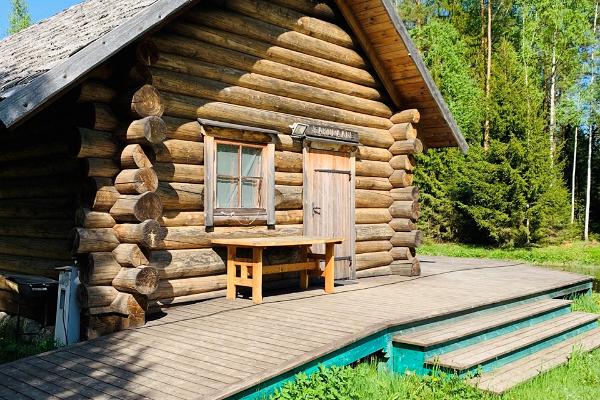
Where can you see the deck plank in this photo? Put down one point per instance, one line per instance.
(216, 348)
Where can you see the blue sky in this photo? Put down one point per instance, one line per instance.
(39, 9)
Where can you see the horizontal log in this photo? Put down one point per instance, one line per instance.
(411, 267)
(133, 156)
(93, 240)
(185, 173)
(96, 296)
(287, 161)
(407, 239)
(94, 219)
(268, 84)
(318, 9)
(403, 225)
(196, 237)
(21, 264)
(57, 249)
(94, 143)
(373, 260)
(146, 131)
(277, 36)
(289, 217)
(413, 146)
(407, 116)
(180, 152)
(183, 129)
(41, 148)
(289, 178)
(192, 107)
(134, 208)
(94, 91)
(181, 196)
(275, 53)
(288, 197)
(182, 218)
(403, 162)
(405, 209)
(373, 246)
(292, 20)
(104, 118)
(236, 134)
(146, 234)
(370, 232)
(105, 195)
(401, 178)
(372, 183)
(100, 269)
(402, 253)
(373, 272)
(130, 255)
(169, 288)
(41, 167)
(372, 199)
(218, 91)
(142, 280)
(42, 208)
(373, 153)
(372, 215)
(44, 187)
(249, 62)
(175, 264)
(409, 193)
(403, 131)
(100, 167)
(373, 168)
(36, 228)
(136, 181)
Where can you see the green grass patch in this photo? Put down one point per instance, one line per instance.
(11, 350)
(578, 379)
(577, 257)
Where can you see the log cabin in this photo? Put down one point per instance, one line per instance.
(136, 132)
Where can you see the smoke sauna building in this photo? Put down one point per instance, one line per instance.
(134, 133)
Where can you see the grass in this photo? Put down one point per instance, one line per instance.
(573, 256)
(10, 350)
(578, 379)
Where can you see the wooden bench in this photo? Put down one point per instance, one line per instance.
(252, 270)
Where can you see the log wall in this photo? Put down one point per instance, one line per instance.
(139, 231)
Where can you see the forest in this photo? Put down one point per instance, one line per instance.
(518, 76)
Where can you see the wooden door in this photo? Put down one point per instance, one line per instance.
(329, 204)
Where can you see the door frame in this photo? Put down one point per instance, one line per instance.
(342, 149)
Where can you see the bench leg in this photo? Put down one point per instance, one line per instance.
(304, 279)
(231, 289)
(257, 275)
(329, 267)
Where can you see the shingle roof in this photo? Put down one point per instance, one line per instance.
(39, 48)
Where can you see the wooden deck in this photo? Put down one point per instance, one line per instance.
(217, 348)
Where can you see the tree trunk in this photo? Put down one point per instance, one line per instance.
(573, 178)
(553, 101)
(488, 77)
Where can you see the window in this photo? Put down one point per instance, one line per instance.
(239, 182)
(239, 176)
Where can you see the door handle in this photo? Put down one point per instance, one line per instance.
(316, 210)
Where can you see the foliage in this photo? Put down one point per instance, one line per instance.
(579, 379)
(514, 193)
(11, 350)
(589, 304)
(19, 18)
(576, 256)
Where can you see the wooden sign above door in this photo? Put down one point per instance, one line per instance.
(324, 132)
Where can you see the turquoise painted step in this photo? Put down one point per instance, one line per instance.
(504, 349)
(411, 350)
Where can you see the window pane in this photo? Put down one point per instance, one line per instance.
(251, 193)
(251, 161)
(227, 193)
(227, 160)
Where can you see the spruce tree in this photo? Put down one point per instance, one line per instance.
(19, 17)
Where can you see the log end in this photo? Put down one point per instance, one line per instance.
(148, 206)
(146, 101)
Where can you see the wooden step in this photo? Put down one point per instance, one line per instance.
(514, 373)
(480, 353)
(472, 326)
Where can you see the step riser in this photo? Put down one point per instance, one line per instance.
(408, 357)
(508, 358)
